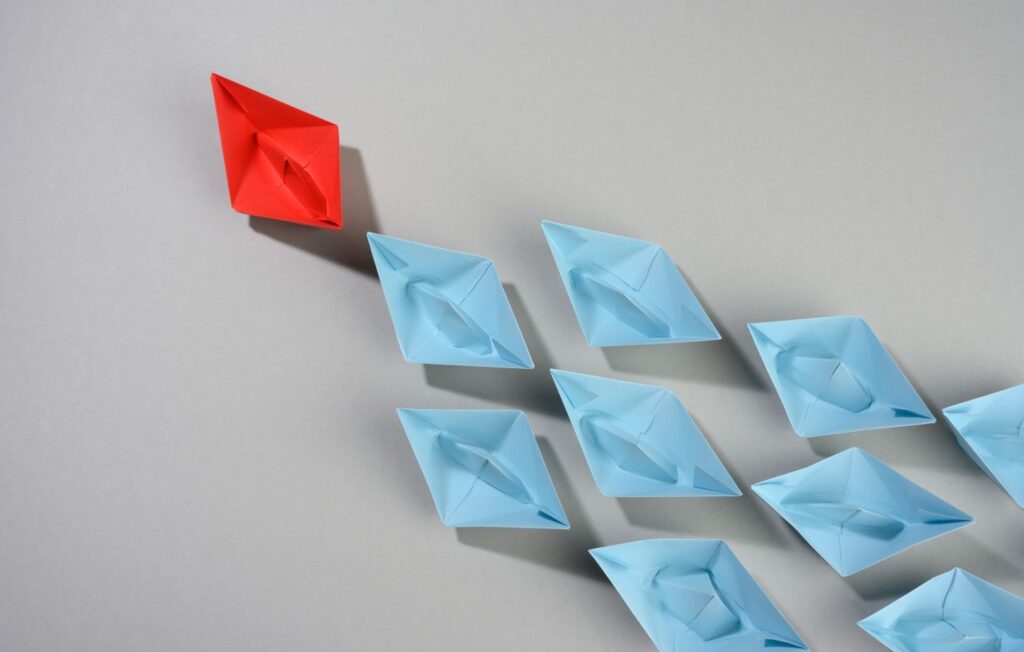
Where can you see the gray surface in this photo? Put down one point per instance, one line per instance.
(199, 449)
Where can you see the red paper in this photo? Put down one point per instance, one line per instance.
(282, 163)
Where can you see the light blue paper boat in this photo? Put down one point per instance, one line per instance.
(834, 376)
(483, 468)
(856, 510)
(625, 291)
(448, 307)
(991, 430)
(695, 595)
(954, 612)
(639, 440)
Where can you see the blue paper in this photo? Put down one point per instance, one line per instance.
(625, 291)
(448, 307)
(483, 468)
(695, 595)
(639, 440)
(834, 376)
(954, 612)
(856, 510)
(991, 430)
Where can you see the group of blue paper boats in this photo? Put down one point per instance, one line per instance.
(484, 468)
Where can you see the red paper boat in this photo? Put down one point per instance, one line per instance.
(281, 162)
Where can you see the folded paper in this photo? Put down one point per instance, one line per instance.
(448, 307)
(625, 291)
(954, 612)
(484, 468)
(855, 510)
(281, 162)
(639, 440)
(834, 376)
(695, 595)
(991, 430)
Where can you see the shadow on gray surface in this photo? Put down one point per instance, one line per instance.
(732, 518)
(718, 362)
(729, 518)
(564, 550)
(897, 575)
(347, 247)
(925, 446)
(528, 389)
(987, 385)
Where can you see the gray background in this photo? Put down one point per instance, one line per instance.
(199, 448)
